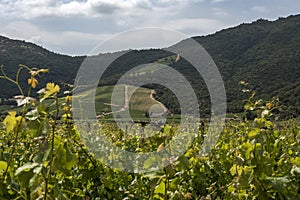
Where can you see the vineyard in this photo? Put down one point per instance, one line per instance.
(42, 155)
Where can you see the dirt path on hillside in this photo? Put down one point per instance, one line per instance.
(126, 104)
(165, 109)
(123, 107)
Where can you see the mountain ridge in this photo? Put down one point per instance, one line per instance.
(264, 53)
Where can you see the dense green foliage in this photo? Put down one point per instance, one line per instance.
(43, 157)
(265, 54)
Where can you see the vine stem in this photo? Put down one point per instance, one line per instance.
(16, 135)
(85, 152)
(52, 148)
(166, 184)
(16, 82)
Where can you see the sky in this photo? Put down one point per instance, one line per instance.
(76, 27)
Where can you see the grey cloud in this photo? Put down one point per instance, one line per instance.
(105, 8)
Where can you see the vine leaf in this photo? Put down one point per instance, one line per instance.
(10, 121)
(3, 165)
(51, 89)
(26, 167)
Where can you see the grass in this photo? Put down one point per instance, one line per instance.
(139, 103)
(153, 67)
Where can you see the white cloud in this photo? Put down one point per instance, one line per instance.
(26, 8)
(143, 38)
(196, 26)
(260, 9)
(220, 12)
(123, 15)
(217, 1)
(30, 9)
(79, 42)
(76, 26)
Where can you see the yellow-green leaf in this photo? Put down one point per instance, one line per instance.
(3, 165)
(160, 190)
(296, 161)
(248, 106)
(43, 70)
(235, 169)
(51, 89)
(10, 121)
(254, 132)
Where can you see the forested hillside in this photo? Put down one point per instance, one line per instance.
(263, 53)
(15, 52)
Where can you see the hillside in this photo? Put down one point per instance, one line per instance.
(15, 52)
(140, 102)
(266, 54)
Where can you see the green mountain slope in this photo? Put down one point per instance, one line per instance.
(15, 52)
(265, 54)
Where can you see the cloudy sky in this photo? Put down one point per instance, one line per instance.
(75, 27)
